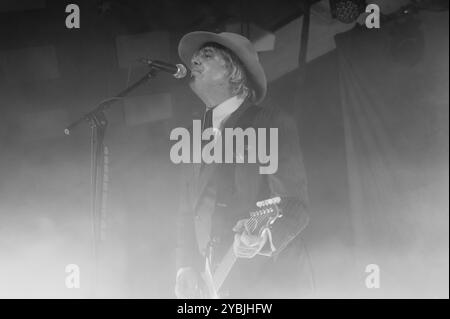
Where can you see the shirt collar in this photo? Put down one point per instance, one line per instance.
(222, 111)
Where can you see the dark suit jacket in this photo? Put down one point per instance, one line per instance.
(238, 187)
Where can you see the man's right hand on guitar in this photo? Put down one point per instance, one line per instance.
(245, 244)
(189, 284)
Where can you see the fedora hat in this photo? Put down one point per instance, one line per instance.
(238, 44)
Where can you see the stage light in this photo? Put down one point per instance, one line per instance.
(347, 11)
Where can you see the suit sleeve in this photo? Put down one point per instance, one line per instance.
(289, 182)
(187, 254)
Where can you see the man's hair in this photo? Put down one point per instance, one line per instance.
(240, 82)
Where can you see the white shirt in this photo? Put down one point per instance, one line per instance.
(223, 111)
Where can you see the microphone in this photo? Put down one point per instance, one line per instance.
(178, 71)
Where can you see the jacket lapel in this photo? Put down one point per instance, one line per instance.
(205, 174)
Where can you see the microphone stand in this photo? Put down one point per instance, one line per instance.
(99, 169)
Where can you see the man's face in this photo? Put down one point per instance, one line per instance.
(208, 71)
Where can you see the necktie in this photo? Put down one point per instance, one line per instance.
(207, 123)
(207, 119)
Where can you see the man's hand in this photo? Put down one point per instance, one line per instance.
(246, 245)
(189, 284)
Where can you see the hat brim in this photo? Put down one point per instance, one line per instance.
(193, 41)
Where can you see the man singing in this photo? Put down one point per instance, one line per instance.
(216, 198)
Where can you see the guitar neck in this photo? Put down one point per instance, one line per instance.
(224, 268)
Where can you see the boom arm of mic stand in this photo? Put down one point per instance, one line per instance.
(93, 117)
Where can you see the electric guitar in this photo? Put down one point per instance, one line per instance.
(267, 212)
